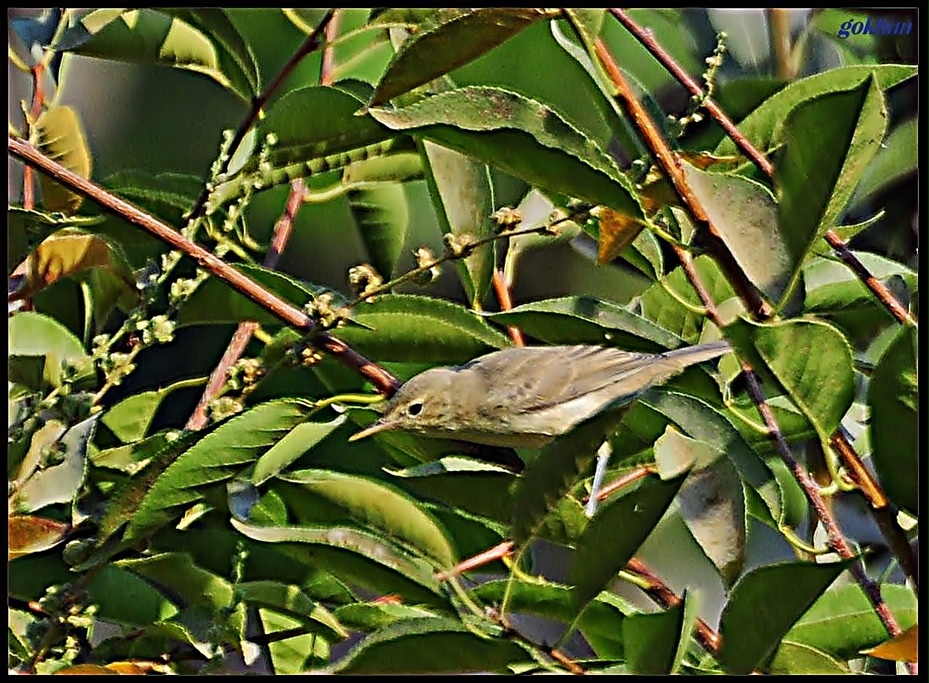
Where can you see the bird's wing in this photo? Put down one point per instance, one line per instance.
(536, 378)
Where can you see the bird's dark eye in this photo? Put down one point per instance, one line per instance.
(414, 409)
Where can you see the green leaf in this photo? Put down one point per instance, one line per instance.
(430, 645)
(60, 136)
(406, 327)
(462, 193)
(357, 556)
(58, 483)
(895, 160)
(215, 302)
(764, 605)
(549, 476)
(602, 552)
(295, 603)
(381, 212)
(812, 362)
(203, 41)
(600, 622)
(458, 39)
(796, 658)
(656, 643)
(213, 460)
(234, 52)
(520, 136)
(710, 502)
(294, 444)
(38, 345)
(842, 622)
(475, 486)
(375, 505)
(299, 647)
(893, 398)
(760, 126)
(133, 457)
(194, 585)
(828, 142)
(370, 616)
(332, 128)
(663, 309)
(130, 419)
(126, 598)
(587, 320)
(702, 422)
(834, 290)
(745, 214)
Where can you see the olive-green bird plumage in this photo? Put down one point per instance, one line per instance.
(524, 397)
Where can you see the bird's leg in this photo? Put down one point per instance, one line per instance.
(603, 458)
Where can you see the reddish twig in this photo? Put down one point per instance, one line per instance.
(506, 304)
(498, 552)
(664, 596)
(763, 163)
(862, 477)
(623, 481)
(897, 310)
(312, 42)
(385, 382)
(883, 512)
(671, 166)
(243, 334)
(38, 98)
(327, 65)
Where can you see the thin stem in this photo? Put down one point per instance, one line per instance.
(452, 256)
(312, 42)
(244, 332)
(506, 304)
(897, 310)
(670, 165)
(837, 540)
(664, 596)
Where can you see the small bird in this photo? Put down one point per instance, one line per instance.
(524, 397)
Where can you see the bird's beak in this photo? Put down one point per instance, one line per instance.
(378, 426)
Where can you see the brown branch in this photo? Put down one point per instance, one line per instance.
(381, 378)
(623, 481)
(869, 487)
(779, 35)
(664, 596)
(751, 152)
(38, 99)
(837, 540)
(877, 287)
(506, 304)
(283, 228)
(667, 61)
(671, 166)
(312, 42)
(881, 509)
(327, 65)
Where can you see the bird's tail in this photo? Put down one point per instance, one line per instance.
(692, 355)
